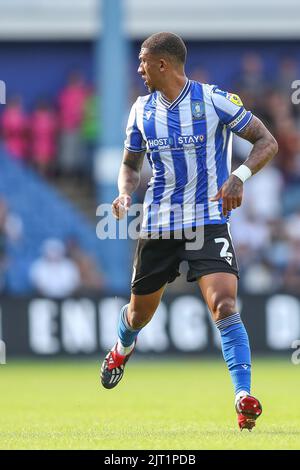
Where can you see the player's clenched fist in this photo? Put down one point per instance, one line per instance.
(120, 205)
(231, 194)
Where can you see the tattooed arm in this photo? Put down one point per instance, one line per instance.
(128, 181)
(264, 145)
(264, 149)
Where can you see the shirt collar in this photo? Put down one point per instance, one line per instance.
(170, 105)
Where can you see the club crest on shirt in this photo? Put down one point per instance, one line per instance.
(198, 110)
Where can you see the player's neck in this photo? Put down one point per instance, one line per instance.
(173, 88)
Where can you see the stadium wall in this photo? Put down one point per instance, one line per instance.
(85, 326)
(73, 19)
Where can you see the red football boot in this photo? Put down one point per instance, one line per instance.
(248, 409)
(112, 369)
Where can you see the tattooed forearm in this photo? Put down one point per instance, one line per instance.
(133, 160)
(264, 144)
(129, 175)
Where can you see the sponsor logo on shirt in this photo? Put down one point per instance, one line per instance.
(176, 142)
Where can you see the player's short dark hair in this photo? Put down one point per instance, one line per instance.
(166, 43)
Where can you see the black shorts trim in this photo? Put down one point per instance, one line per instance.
(151, 288)
(195, 275)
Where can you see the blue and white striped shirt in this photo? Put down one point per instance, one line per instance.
(188, 144)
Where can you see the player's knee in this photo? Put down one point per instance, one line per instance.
(223, 308)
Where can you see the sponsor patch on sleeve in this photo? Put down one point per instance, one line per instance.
(235, 99)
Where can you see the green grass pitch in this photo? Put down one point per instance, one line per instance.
(180, 404)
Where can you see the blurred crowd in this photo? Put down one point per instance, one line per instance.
(266, 229)
(61, 270)
(56, 137)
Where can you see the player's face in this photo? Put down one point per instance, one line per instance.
(149, 69)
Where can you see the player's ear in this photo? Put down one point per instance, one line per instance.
(162, 65)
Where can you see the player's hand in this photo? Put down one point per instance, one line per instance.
(120, 205)
(231, 193)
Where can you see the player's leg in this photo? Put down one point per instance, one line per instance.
(133, 317)
(155, 264)
(216, 270)
(220, 291)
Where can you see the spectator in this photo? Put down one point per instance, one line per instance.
(43, 137)
(291, 275)
(90, 129)
(266, 188)
(54, 275)
(251, 76)
(288, 72)
(14, 124)
(251, 84)
(11, 229)
(292, 226)
(258, 278)
(288, 139)
(90, 278)
(247, 229)
(71, 111)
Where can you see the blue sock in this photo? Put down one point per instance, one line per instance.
(236, 351)
(126, 334)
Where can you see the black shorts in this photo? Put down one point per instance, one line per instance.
(157, 261)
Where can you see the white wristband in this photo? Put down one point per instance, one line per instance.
(242, 172)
